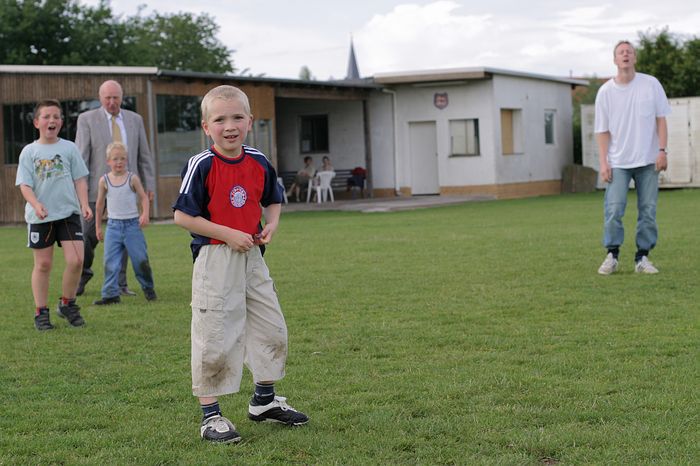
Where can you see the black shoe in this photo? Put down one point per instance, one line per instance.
(125, 291)
(277, 411)
(42, 322)
(106, 301)
(84, 279)
(71, 312)
(150, 294)
(219, 429)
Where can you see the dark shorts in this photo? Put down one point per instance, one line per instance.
(43, 235)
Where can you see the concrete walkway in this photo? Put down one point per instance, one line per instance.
(382, 204)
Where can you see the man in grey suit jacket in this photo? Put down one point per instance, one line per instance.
(94, 133)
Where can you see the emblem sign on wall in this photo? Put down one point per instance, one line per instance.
(440, 100)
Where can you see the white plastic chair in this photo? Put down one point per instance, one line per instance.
(280, 181)
(321, 184)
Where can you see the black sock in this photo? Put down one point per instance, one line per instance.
(41, 310)
(614, 251)
(264, 394)
(640, 253)
(212, 409)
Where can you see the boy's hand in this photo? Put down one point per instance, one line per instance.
(143, 220)
(87, 212)
(99, 234)
(40, 210)
(265, 236)
(239, 241)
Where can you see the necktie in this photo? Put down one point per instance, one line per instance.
(116, 132)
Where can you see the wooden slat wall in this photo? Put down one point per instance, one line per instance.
(262, 97)
(24, 88)
(12, 205)
(30, 87)
(18, 88)
(262, 105)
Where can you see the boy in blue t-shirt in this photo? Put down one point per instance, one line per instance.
(236, 317)
(52, 179)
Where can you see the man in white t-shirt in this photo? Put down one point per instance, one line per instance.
(631, 132)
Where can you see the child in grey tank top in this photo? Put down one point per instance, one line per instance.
(127, 213)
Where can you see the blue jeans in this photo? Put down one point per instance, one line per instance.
(646, 181)
(120, 235)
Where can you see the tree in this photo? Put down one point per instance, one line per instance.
(64, 32)
(181, 41)
(305, 74)
(674, 61)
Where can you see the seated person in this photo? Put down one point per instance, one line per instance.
(357, 180)
(326, 165)
(301, 180)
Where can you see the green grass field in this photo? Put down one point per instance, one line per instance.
(471, 334)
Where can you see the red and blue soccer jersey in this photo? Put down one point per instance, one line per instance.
(227, 191)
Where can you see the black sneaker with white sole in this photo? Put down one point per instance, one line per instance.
(277, 411)
(219, 429)
(71, 312)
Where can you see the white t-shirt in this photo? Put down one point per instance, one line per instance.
(629, 113)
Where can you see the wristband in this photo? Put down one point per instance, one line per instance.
(663, 149)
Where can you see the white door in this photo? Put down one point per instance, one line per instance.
(424, 160)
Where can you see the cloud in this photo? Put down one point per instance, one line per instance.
(442, 34)
(539, 36)
(428, 36)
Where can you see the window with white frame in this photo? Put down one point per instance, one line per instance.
(464, 137)
(549, 121)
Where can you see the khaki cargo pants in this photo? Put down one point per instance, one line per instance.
(236, 320)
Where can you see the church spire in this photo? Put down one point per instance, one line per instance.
(353, 72)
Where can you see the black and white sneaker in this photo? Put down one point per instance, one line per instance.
(277, 411)
(219, 429)
(71, 312)
(42, 321)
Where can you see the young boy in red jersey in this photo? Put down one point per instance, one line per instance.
(51, 176)
(236, 316)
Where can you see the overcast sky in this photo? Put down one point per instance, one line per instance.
(555, 37)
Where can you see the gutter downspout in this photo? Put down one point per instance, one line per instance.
(151, 142)
(397, 186)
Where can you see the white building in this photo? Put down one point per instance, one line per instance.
(470, 131)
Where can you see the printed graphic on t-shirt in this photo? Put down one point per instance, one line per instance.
(47, 168)
(238, 196)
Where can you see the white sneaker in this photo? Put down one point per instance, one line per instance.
(219, 429)
(645, 266)
(608, 266)
(277, 411)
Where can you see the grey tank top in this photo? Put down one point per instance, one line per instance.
(122, 201)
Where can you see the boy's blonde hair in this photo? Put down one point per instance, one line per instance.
(226, 93)
(115, 146)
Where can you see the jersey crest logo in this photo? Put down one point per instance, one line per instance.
(238, 196)
(34, 237)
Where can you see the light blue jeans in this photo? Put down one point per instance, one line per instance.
(120, 235)
(646, 181)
